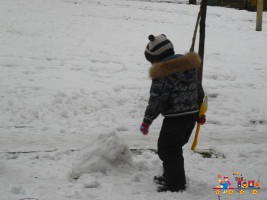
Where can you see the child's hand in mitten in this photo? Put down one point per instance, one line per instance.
(201, 120)
(144, 128)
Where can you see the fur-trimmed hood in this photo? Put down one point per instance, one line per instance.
(179, 64)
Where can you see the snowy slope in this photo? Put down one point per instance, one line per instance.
(73, 70)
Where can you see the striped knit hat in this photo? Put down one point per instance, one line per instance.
(158, 48)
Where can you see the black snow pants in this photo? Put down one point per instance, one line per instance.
(175, 133)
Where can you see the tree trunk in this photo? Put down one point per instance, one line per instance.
(202, 38)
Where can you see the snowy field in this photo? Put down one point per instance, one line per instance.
(74, 86)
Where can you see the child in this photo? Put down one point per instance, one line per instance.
(177, 95)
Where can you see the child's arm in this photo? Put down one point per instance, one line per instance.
(159, 94)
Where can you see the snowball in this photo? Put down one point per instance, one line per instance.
(107, 152)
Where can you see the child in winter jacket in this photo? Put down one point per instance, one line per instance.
(177, 95)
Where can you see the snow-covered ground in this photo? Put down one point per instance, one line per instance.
(74, 86)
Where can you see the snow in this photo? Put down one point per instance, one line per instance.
(108, 151)
(74, 86)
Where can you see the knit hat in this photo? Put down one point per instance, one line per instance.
(158, 48)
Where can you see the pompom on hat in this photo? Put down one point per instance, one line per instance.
(158, 48)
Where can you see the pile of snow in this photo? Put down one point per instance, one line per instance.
(106, 152)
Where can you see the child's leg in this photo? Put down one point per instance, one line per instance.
(173, 165)
(175, 132)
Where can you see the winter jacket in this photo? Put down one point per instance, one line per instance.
(175, 90)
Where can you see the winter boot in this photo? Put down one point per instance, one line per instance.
(160, 180)
(166, 188)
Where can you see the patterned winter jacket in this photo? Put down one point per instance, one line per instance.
(175, 90)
